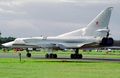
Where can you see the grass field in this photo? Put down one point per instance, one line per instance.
(45, 68)
(28, 68)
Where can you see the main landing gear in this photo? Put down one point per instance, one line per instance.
(76, 55)
(73, 56)
(51, 55)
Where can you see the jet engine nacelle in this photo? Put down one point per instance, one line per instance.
(107, 42)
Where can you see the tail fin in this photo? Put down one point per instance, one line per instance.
(97, 27)
(99, 24)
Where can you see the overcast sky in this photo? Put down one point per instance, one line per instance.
(30, 18)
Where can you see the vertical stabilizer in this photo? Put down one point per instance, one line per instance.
(98, 27)
(100, 22)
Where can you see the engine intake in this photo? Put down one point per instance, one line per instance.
(107, 42)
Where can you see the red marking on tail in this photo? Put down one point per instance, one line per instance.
(97, 23)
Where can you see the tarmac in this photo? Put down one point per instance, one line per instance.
(62, 59)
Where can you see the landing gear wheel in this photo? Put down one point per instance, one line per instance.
(76, 56)
(55, 55)
(80, 56)
(72, 56)
(28, 55)
(51, 55)
(47, 56)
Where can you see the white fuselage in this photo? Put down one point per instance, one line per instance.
(52, 42)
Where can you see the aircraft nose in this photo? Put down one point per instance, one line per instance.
(9, 44)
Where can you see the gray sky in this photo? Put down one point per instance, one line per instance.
(30, 18)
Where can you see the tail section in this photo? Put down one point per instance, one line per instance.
(98, 27)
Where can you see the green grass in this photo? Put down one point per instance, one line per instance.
(39, 68)
(52, 68)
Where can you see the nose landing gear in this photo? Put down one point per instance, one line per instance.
(28, 53)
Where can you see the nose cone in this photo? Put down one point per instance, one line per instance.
(9, 44)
